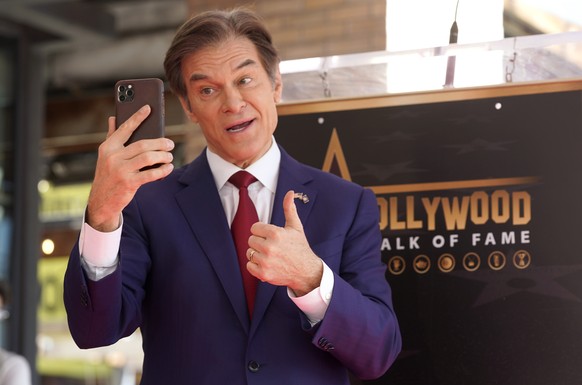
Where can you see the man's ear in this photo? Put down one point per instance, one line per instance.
(278, 87)
(188, 109)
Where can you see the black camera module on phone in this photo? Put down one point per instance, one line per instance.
(125, 93)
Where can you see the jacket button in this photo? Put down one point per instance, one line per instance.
(254, 366)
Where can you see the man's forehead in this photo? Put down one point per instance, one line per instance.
(201, 74)
(235, 55)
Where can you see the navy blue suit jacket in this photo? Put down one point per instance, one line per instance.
(179, 281)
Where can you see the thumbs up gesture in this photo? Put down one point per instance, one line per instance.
(282, 256)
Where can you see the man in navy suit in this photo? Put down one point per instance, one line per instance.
(156, 252)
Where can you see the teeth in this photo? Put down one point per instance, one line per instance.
(239, 127)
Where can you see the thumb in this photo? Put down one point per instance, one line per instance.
(110, 126)
(290, 210)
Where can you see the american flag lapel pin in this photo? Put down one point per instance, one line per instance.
(301, 196)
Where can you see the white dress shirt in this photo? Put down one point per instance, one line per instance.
(99, 250)
(14, 369)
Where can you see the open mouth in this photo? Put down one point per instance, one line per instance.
(240, 127)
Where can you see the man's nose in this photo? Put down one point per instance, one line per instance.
(233, 101)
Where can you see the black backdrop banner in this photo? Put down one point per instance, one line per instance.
(481, 216)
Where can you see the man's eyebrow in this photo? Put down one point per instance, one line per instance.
(248, 62)
(195, 77)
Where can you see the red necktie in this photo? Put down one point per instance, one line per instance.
(245, 216)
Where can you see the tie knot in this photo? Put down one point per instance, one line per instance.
(242, 179)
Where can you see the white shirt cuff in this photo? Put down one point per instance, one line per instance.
(314, 304)
(99, 250)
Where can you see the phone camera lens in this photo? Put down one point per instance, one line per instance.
(122, 98)
(129, 93)
(121, 88)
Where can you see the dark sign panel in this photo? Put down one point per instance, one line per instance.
(481, 215)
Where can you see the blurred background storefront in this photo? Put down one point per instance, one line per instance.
(59, 60)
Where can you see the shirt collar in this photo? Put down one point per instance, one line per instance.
(265, 169)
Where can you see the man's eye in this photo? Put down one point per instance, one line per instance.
(245, 80)
(206, 91)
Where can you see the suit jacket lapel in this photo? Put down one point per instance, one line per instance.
(202, 207)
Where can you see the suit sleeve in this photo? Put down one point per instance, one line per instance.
(99, 313)
(360, 328)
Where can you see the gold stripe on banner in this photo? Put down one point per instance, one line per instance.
(477, 183)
